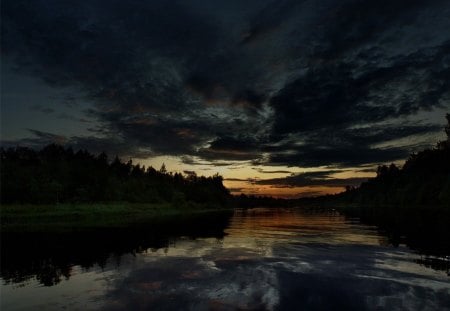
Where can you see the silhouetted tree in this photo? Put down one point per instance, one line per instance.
(163, 169)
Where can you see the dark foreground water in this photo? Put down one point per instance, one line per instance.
(259, 259)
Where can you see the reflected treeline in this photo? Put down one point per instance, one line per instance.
(59, 175)
(49, 257)
(427, 232)
(435, 263)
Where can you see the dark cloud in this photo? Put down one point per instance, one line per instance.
(270, 18)
(238, 179)
(311, 179)
(38, 140)
(307, 179)
(66, 116)
(46, 110)
(231, 148)
(260, 170)
(295, 83)
(113, 146)
(338, 157)
(308, 193)
(196, 161)
(331, 96)
(356, 23)
(346, 147)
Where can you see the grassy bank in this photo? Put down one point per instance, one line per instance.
(73, 217)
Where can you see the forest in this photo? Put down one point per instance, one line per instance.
(59, 175)
(424, 180)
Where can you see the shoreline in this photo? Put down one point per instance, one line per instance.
(93, 216)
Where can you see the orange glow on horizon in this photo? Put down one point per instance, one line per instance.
(243, 176)
(239, 187)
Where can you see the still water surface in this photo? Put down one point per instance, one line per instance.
(258, 259)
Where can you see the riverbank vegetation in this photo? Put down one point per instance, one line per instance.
(422, 183)
(57, 175)
(59, 189)
(84, 216)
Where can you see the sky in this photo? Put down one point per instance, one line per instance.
(287, 98)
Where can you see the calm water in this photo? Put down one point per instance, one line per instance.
(272, 259)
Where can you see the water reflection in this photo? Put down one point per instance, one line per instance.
(49, 257)
(258, 259)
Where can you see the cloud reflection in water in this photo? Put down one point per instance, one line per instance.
(282, 260)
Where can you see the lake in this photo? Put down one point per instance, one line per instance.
(257, 259)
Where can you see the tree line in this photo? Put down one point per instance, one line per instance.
(423, 180)
(56, 174)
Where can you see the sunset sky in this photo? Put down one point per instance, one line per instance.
(284, 97)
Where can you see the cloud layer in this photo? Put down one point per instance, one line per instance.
(295, 83)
